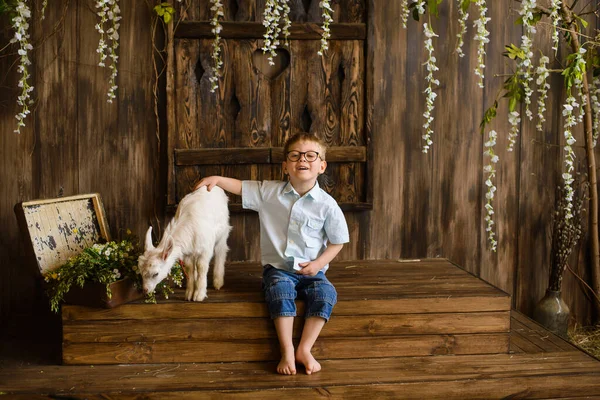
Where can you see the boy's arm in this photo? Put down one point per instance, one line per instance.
(313, 267)
(228, 184)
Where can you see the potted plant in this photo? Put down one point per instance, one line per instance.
(101, 271)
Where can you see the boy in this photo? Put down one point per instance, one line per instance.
(302, 229)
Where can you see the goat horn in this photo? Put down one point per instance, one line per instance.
(149, 244)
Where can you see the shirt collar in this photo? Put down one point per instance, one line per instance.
(314, 193)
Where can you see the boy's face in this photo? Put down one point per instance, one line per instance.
(303, 172)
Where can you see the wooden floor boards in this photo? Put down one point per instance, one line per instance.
(385, 344)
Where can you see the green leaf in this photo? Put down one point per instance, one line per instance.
(583, 22)
(160, 11)
(415, 14)
(488, 116)
(464, 5)
(512, 104)
(433, 7)
(167, 17)
(514, 52)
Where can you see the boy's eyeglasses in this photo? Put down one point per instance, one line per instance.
(309, 156)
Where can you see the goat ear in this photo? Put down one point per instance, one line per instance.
(168, 248)
(148, 243)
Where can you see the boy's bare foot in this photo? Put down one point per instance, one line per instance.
(287, 365)
(305, 357)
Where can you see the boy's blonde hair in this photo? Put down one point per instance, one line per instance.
(305, 137)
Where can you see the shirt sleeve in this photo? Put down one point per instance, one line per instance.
(252, 198)
(336, 227)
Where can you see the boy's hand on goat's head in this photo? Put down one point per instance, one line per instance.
(210, 182)
(309, 268)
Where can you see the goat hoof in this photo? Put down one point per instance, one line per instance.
(200, 296)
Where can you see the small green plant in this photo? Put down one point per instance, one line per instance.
(105, 263)
(165, 11)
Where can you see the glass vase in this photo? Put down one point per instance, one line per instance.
(553, 313)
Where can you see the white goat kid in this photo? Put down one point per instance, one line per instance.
(199, 229)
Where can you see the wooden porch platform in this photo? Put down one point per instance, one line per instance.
(374, 351)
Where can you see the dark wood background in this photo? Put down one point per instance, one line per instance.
(424, 205)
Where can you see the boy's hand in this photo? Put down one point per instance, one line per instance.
(309, 268)
(210, 182)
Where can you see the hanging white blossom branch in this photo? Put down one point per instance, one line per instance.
(109, 14)
(327, 20)
(287, 23)
(579, 70)
(490, 172)
(482, 37)
(555, 18)
(21, 26)
(114, 15)
(543, 87)
(595, 97)
(43, 10)
(431, 95)
(102, 5)
(463, 16)
(217, 14)
(404, 12)
(514, 119)
(525, 64)
(570, 122)
(421, 7)
(271, 19)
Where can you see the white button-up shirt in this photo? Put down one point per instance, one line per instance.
(294, 229)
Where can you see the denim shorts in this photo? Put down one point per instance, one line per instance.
(282, 287)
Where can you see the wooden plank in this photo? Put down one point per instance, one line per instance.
(257, 308)
(256, 30)
(259, 328)
(242, 155)
(483, 389)
(536, 329)
(400, 169)
(541, 341)
(268, 350)
(335, 154)
(225, 376)
(500, 267)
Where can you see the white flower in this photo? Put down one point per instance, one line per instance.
(514, 120)
(431, 95)
(595, 97)
(109, 14)
(490, 174)
(481, 37)
(462, 21)
(217, 9)
(525, 65)
(543, 87)
(21, 28)
(327, 19)
(405, 12)
(570, 122)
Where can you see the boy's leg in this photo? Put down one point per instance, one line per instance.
(320, 297)
(284, 327)
(310, 333)
(280, 294)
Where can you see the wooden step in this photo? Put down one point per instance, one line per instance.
(532, 376)
(385, 309)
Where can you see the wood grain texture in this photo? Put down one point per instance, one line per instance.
(469, 376)
(74, 139)
(268, 350)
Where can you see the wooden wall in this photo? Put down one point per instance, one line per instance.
(424, 205)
